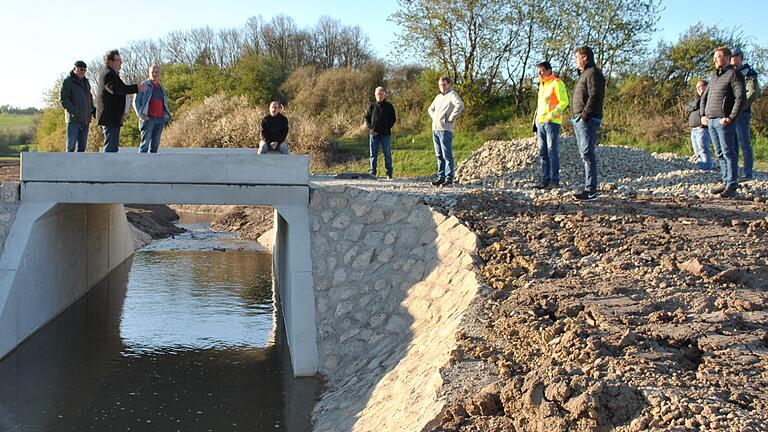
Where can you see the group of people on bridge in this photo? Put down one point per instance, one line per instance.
(720, 114)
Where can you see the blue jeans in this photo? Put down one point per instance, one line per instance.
(150, 134)
(726, 149)
(549, 153)
(384, 141)
(111, 138)
(700, 142)
(77, 136)
(443, 141)
(742, 136)
(586, 139)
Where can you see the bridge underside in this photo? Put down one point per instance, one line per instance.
(58, 184)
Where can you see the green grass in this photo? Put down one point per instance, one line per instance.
(16, 122)
(413, 155)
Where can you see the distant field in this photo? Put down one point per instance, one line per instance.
(16, 122)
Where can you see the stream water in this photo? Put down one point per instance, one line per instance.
(183, 337)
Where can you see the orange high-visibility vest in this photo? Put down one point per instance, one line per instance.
(553, 100)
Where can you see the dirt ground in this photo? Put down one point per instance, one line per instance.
(647, 313)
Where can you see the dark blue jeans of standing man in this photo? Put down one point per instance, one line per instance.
(742, 137)
(384, 141)
(726, 149)
(586, 139)
(77, 136)
(151, 129)
(549, 153)
(443, 141)
(111, 138)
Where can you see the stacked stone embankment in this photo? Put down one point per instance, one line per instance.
(393, 280)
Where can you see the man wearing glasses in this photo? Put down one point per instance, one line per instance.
(111, 100)
(77, 101)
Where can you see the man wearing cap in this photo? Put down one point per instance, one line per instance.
(742, 122)
(77, 101)
(110, 108)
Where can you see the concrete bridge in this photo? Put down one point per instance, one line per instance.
(70, 228)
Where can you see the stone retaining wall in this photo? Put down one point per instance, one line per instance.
(392, 280)
(9, 204)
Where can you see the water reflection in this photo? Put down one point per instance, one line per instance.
(180, 340)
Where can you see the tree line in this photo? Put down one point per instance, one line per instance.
(490, 48)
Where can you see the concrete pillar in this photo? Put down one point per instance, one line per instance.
(293, 264)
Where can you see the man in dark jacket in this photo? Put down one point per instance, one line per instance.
(112, 101)
(699, 133)
(752, 88)
(722, 103)
(587, 105)
(77, 101)
(274, 131)
(380, 118)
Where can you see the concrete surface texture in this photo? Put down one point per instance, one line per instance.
(393, 280)
(53, 254)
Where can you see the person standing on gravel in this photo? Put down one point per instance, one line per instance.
(552, 102)
(588, 97)
(380, 118)
(77, 101)
(444, 111)
(722, 102)
(274, 131)
(742, 122)
(699, 134)
(111, 100)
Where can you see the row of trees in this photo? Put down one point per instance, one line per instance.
(326, 73)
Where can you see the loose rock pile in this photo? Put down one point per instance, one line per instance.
(622, 170)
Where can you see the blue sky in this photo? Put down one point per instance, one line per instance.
(42, 38)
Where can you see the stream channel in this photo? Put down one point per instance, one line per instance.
(182, 337)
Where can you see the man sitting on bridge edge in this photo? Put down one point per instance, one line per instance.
(274, 130)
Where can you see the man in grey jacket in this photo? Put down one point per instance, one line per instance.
(77, 101)
(722, 102)
(444, 111)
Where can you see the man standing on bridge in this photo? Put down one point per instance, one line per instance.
(111, 101)
(77, 101)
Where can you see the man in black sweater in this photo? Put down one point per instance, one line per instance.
(722, 103)
(587, 105)
(274, 130)
(112, 100)
(380, 118)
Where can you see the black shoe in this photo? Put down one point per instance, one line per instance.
(585, 196)
(447, 182)
(554, 185)
(389, 177)
(728, 192)
(541, 185)
(438, 182)
(718, 189)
